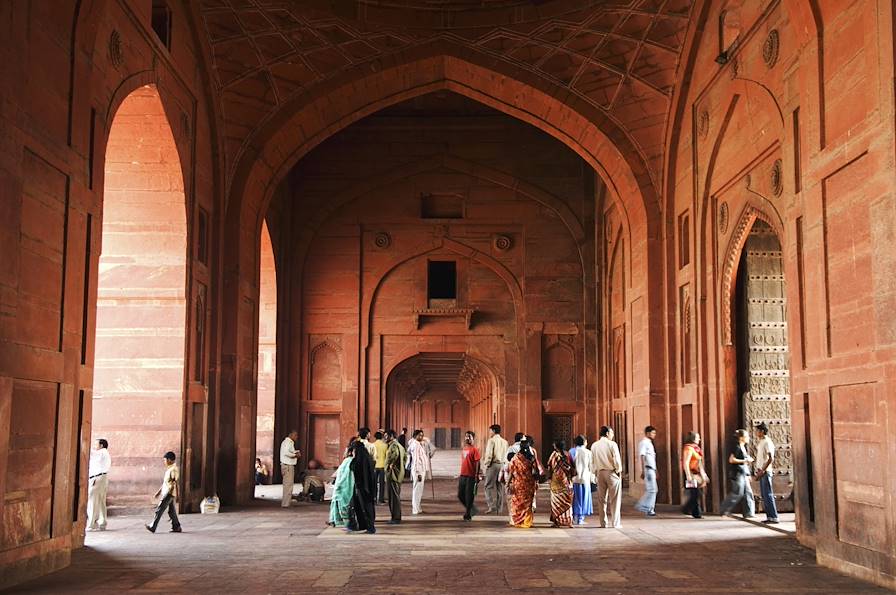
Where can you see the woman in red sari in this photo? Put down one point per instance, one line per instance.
(521, 486)
(561, 469)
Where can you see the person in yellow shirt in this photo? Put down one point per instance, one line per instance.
(379, 460)
(167, 495)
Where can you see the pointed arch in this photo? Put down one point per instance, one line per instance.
(141, 319)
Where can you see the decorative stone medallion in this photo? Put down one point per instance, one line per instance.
(116, 54)
(382, 240)
(502, 243)
(777, 178)
(703, 124)
(771, 48)
(723, 218)
(735, 67)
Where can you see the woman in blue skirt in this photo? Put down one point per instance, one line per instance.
(581, 483)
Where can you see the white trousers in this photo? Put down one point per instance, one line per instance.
(96, 501)
(417, 496)
(609, 501)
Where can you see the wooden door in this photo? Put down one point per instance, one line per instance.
(323, 440)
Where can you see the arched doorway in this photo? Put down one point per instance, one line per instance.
(444, 394)
(760, 377)
(267, 352)
(138, 386)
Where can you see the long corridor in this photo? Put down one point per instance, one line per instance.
(265, 549)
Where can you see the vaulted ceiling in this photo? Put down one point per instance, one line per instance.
(620, 56)
(437, 371)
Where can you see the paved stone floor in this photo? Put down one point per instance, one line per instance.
(266, 549)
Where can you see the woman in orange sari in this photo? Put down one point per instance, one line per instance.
(521, 486)
(561, 468)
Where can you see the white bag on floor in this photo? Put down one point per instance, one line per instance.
(210, 505)
(328, 491)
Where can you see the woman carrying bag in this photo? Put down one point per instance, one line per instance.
(695, 478)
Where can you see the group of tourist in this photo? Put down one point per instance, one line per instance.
(373, 472)
(511, 472)
(572, 476)
(740, 492)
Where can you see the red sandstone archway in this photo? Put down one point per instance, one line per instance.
(139, 379)
(260, 170)
(326, 111)
(267, 352)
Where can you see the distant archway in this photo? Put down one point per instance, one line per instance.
(138, 390)
(267, 353)
(444, 394)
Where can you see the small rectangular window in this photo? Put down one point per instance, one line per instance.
(91, 142)
(455, 438)
(441, 206)
(161, 22)
(441, 437)
(684, 240)
(441, 280)
(797, 157)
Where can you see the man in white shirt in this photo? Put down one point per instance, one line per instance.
(97, 484)
(608, 469)
(765, 455)
(167, 496)
(289, 456)
(494, 459)
(647, 456)
(363, 434)
(419, 469)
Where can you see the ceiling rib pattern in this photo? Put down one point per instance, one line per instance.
(437, 371)
(619, 56)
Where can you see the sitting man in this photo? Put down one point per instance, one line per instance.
(312, 485)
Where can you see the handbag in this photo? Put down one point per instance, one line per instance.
(696, 481)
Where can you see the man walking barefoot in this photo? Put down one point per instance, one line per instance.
(167, 495)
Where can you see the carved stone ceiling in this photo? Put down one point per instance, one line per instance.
(619, 55)
(432, 371)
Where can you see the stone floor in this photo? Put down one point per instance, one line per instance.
(266, 549)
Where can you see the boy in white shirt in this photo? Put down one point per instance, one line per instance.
(765, 455)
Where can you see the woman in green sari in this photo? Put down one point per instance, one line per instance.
(343, 489)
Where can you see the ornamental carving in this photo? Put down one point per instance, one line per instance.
(777, 178)
(116, 54)
(771, 48)
(735, 68)
(502, 243)
(723, 218)
(382, 240)
(703, 124)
